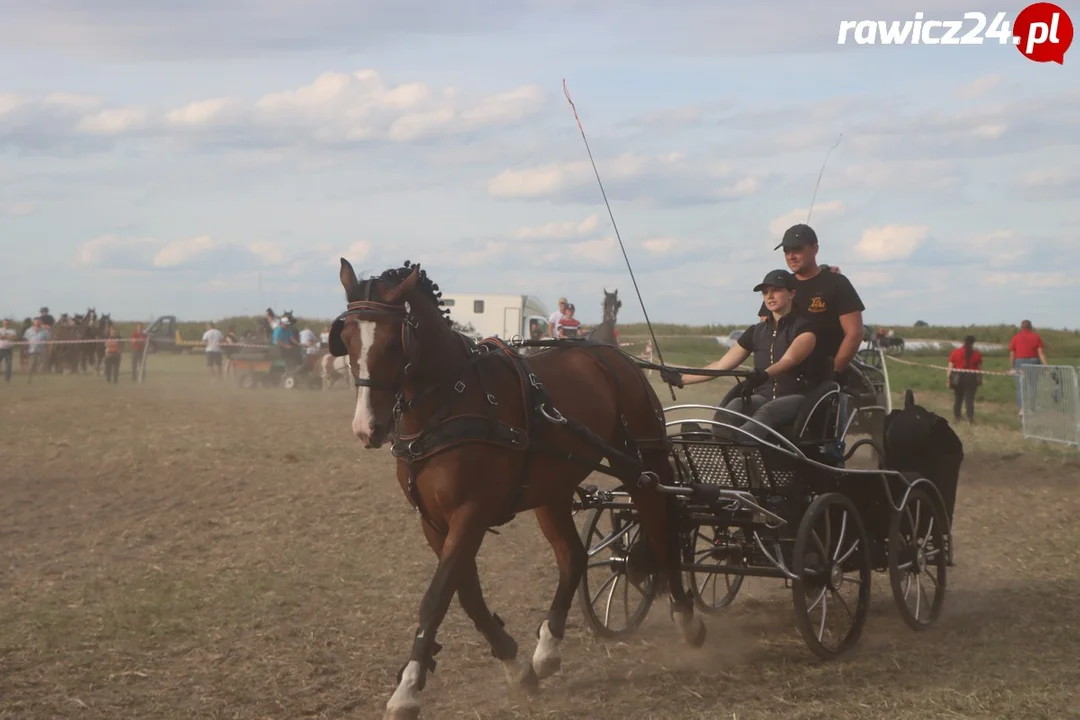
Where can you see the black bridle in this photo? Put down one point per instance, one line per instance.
(370, 309)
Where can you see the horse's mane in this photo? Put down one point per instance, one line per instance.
(396, 276)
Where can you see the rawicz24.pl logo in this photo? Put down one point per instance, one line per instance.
(1042, 32)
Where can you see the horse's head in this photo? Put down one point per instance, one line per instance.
(611, 305)
(387, 321)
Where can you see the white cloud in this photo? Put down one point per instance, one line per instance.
(660, 245)
(335, 108)
(833, 208)
(667, 178)
(891, 242)
(1022, 282)
(113, 122)
(977, 87)
(558, 230)
(198, 113)
(1046, 178)
(902, 174)
(181, 252)
(106, 250)
(989, 131)
(269, 252)
(16, 209)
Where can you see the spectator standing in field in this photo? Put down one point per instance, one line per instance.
(138, 347)
(8, 336)
(113, 355)
(310, 343)
(556, 318)
(230, 349)
(965, 384)
(38, 338)
(213, 339)
(1025, 348)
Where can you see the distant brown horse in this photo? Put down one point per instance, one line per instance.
(605, 331)
(482, 433)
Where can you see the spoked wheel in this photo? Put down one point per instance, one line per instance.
(832, 565)
(289, 382)
(714, 591)
(618, 586)
(918, 559)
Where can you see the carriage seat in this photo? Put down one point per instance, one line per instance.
(814, 423)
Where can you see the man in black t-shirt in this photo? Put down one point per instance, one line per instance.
(785, 366)
(826, 298)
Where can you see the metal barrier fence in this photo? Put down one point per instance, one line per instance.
(1050, 400)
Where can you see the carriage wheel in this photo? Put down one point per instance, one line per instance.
(917, 559)
(832, 564)
(247, 381)
(289, 382)
(711, 594)
(618, 555)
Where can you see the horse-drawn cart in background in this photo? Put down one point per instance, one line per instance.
(789, 508)
(266, 367)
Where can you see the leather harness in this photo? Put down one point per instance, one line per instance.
(444, 431)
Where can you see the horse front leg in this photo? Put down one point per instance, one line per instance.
(557, 524)
(459, 549)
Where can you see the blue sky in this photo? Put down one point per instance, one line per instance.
(169, 157)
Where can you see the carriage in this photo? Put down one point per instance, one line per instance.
(266, 367)
(792, 508)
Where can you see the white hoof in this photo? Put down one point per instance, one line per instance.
(404, 704)
(547, 660)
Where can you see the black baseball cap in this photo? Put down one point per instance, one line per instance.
(797, 236)
(777, 278)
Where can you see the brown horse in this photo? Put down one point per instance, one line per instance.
(605, 331)
(482, 433)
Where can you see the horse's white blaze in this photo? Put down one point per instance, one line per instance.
(547, 659)
(406, 696)
(364, 418)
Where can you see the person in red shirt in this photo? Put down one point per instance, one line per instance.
(1026, 348)
(965, 384)
(113, 351)
(569, 325)
(138, 344)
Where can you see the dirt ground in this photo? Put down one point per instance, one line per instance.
(188, 550)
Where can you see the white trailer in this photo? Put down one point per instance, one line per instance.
(502, 316)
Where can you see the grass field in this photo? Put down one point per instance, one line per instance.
(185, 549)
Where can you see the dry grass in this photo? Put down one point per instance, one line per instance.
(182, 550)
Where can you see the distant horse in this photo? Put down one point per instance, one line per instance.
(104, 324)
(605, 331)
(481, 433)
(894, 343)
(332, 369)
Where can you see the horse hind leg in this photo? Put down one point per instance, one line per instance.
(503, 646)
(657, 519)
(557, 524)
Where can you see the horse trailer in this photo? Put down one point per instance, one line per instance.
(502, 316)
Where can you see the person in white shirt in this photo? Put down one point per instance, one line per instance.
(309, 341)
(8, 336)
(556, 317)
(213, 339)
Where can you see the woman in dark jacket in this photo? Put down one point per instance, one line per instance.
(964, 384)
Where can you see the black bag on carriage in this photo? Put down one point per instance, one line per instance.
(917, 440)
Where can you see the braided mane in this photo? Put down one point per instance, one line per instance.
(396, 276)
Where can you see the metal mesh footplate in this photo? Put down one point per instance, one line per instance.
(729, 466)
